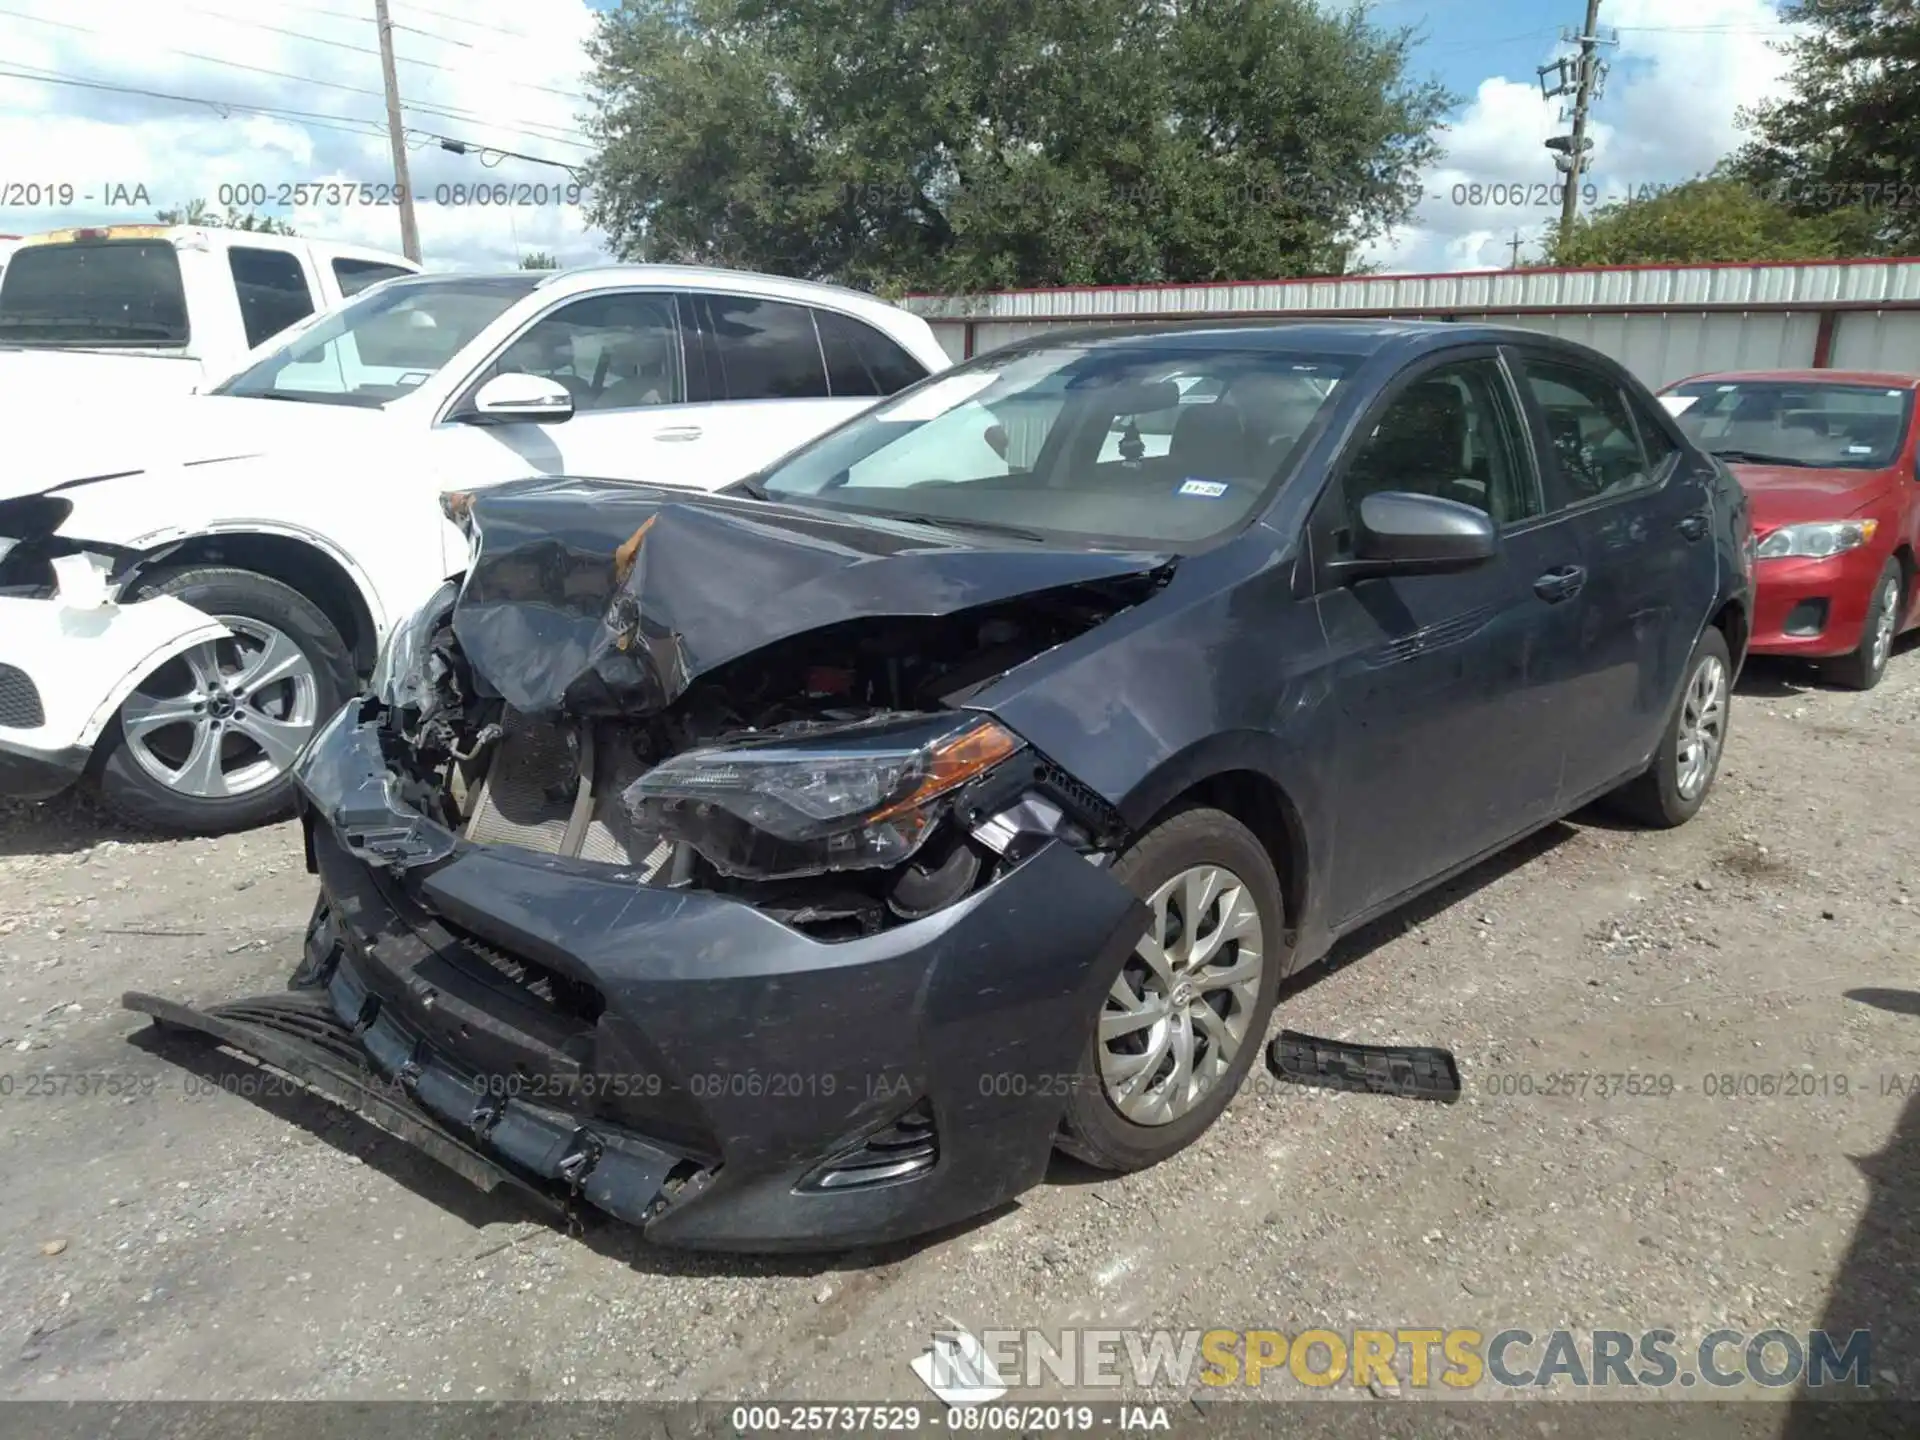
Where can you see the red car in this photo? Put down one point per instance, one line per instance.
(1827, 458)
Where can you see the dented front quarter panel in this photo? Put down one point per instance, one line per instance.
(611, 599)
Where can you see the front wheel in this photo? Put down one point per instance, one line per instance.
(1183, 1019)
(1675, 785)
(206, 743)
(1862, 669)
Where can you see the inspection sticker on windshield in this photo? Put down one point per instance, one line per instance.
(1211, 488)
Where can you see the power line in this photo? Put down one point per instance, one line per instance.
(477, 24)
(371, 50)
(342, 123)
(533, 129)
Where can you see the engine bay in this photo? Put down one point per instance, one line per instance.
(555, 782)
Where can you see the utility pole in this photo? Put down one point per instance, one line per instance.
(1583, 76)
(397, 135)
(1514, 245)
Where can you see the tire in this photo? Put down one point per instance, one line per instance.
(157, 728)
(1863, 669)
(1658, 798)
(1094, 1129)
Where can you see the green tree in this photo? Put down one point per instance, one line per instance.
(931, 145)
(198, 212)
(538, 260)
(1847, 132)
(1709, 218)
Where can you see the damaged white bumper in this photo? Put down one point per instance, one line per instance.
(67, 664)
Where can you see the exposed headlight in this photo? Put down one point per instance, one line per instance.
(399, 674)
(1817, 542)
(860, 797)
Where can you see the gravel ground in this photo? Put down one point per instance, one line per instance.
(185, 1242)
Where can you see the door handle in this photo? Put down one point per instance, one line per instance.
(1561, 584)
(678, 432)
(1694, 525)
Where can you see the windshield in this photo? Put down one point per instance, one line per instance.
(1150, 444)
(94, 293)
(1794, 422)
(382, 345)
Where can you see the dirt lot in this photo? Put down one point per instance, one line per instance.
(185, 1242)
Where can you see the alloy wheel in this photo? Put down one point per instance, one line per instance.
(1178, 1012)
(1886, 619)
(1703, 726)
(227, 717)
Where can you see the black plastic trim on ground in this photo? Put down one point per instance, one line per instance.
(1411, 1072)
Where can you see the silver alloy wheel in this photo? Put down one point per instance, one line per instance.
(1884, 624)
(1703, 726)
(226, 718)
(1177, 1013)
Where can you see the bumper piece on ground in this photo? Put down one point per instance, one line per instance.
(1413, 1072)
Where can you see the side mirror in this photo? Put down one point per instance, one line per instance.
(515, 397)
(1403, 533)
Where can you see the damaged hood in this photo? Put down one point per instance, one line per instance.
(607, 598)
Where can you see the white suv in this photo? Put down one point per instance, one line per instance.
(188, 585)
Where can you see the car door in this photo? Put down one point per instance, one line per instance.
(774, 374)
(1451, 691)
(618, 353)
(1641, 504)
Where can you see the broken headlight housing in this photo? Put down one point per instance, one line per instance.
(858, 797)
(400, 679)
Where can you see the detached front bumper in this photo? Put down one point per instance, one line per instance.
(678, 1059)
(1814, 608)
(67, 664)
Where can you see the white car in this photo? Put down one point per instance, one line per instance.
(160, 309)
(188, 585)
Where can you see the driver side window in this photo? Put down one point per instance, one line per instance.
(1451, 433)
(610, 352)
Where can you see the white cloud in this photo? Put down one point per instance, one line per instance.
(1668, 113)
(487, 72)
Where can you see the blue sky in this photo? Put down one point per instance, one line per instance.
(298, 87)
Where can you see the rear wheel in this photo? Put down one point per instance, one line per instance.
(1863, 668)
(206, 743)
(1183, 1019)
(1675, 785)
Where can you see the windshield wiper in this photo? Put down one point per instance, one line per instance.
(1755, 457)
(750, 485)
(949, 522)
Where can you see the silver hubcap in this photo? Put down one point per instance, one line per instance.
(1886, 620)
(228, 716)
(1703, 725)
(1178, 1011)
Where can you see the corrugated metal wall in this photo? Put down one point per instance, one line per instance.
(1662, 323)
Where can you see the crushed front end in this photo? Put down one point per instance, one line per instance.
(773, 946)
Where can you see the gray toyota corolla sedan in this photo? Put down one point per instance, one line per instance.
(801, 865)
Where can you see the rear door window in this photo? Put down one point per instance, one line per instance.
(272, 288)
(762, 350)
(1598, 448)
(106, 292)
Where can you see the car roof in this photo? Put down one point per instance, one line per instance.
(1357, 338)
(582, 279)
(1885, 379)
